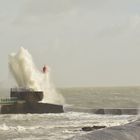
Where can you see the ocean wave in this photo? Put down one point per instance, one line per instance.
(54, 126)
(18, 128)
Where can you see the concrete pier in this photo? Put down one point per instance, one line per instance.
(117, 111)
(23, 108)
(27, 101)
(105, 111)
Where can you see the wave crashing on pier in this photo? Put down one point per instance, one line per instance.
(27, 75)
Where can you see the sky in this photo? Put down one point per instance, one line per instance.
(85, 42)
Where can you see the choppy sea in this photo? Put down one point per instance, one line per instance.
(79, 102)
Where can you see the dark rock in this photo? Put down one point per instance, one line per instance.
(92, 128)
(98, 127)
(87, 128)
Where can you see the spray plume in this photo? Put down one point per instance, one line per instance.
(27, 75)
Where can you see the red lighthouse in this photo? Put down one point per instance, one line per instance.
(45, 69)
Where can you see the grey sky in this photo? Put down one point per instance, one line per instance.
(86, 42)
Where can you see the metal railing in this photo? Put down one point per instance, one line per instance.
(21, 89)
(11, 100)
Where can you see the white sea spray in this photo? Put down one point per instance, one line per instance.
(27, 75)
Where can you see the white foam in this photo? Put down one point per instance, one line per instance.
(58, 126)
(25, 129)
(27, 75)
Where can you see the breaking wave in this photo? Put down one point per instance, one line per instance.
(27, 75)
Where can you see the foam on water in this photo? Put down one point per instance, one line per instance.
(54, 126)
(27, 75)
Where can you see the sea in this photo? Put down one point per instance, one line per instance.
(78, 106)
